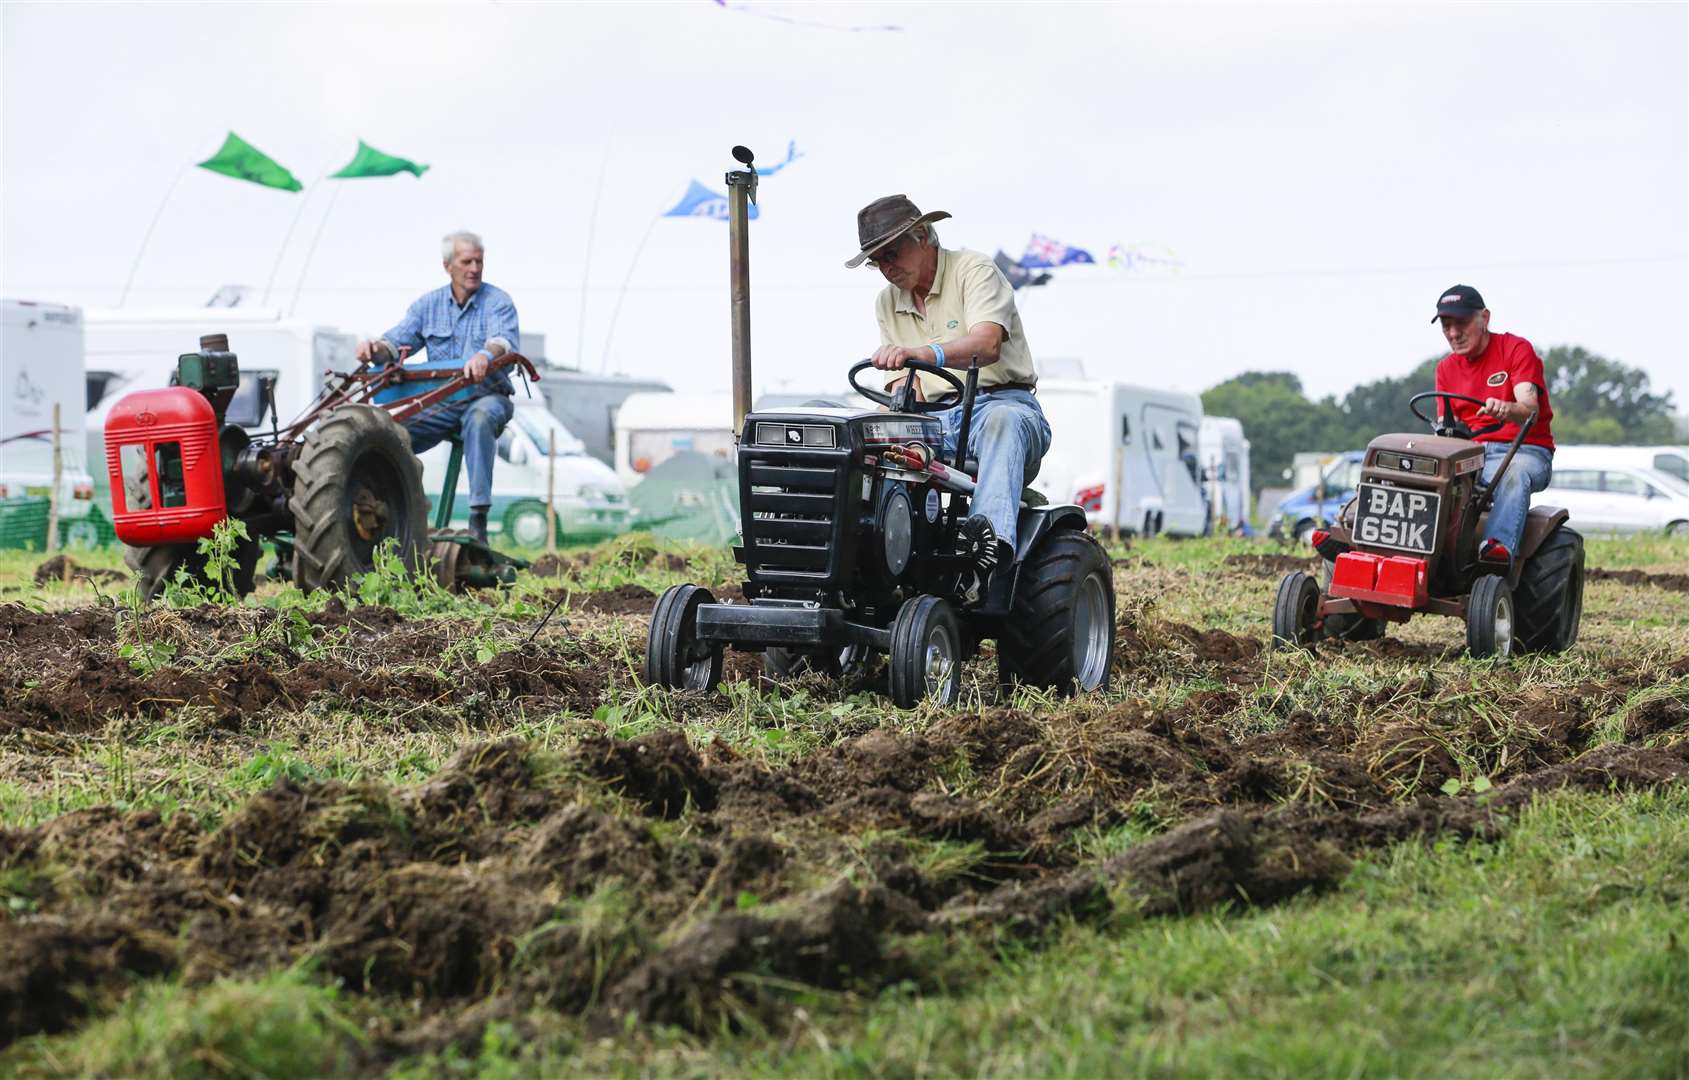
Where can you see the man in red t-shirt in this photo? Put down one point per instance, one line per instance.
(1505, 373)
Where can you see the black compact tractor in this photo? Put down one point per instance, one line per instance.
(1409, 542)
(850, 528)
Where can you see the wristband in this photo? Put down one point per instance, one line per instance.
(937, 354)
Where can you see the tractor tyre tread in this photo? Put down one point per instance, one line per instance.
(1481, 609)
(1548, 601)
(908, 653)
(1292, 621)
(1036, 644)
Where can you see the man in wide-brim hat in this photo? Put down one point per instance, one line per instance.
(955, 309)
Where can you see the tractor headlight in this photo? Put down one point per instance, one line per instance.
(896, 530)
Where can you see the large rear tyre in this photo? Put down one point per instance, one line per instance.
(157, 566)
(1549, 596)
(356, 485)
(1489, 618)
(1295, 610)
(674, 657)
(1060, 633)
(926, 653)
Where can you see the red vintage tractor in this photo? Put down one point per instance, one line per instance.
(1408, 542)
(328, 490)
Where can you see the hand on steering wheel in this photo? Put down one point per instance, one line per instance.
(1445, 422)
(904, 399)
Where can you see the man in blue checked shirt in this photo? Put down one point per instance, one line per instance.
(475, 322)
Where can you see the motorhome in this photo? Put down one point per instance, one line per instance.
(136, 349)
(588, 404)
(1127, 454)
(41, 358)
(1223, 457)
(651, 428)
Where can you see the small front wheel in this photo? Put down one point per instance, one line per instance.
(674, 657)
(1295, 611)
(926, 653)
(1489, 618)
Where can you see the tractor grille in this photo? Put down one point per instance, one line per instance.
(792, 501)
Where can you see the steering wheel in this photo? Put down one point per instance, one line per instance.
(904, 399)
(1446, 424)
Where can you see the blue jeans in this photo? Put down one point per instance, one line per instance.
(478, 422)
(1529, 473)
(1009, 437)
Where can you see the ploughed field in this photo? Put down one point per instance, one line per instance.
(400, 830)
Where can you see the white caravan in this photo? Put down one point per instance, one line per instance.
(1127, 454)
(589, 501)
(651, 428)
(1223, 455)
(136, 349)
(40, 366)
(1671, 460)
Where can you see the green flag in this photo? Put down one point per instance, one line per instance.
(372, 162)
(243, 161)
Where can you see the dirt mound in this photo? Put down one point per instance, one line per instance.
(1669, 582)
(25, 629)
(1657, 716)
(66, 569)
(622, 600)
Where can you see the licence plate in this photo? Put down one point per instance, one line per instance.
(1398, 518)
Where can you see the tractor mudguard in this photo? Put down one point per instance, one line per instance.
(1034, 522)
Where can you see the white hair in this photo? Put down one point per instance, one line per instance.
(930, 234)
(448, 245)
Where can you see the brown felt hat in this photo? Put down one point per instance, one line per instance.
(884, 220)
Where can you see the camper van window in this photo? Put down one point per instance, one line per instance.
(243, 407)
(101, 383)
(172, 485)
(1155, 440)
(1672, 465)
(1125, 431)
(137, 483)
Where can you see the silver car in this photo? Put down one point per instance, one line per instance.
(1619, 499)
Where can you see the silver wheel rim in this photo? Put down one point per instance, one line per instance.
(939, 662)
(529, 529)
(1503, 627)
(1091, 634)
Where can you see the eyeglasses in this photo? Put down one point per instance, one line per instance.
(889, 253)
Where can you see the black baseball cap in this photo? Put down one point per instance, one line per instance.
(1459, 301)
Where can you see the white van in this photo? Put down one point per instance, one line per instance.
(1223, 455)
(589, 502)
(41, 365)
(136, 349)
(1671, 460)
(1127, 454)
(651, 428)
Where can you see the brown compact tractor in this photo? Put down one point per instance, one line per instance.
(1409, 542)
(329, 489)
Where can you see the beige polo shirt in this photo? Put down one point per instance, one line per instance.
(967, 290)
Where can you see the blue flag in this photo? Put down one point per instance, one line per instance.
(1043, 251)
(700, 201)
(792, 154)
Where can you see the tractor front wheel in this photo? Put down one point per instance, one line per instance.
(674, 657)
(1489, 618)
(1295, 610)
(926, 653)
(356, 485)
(1549, 596)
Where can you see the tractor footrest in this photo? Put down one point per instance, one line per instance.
(1396, 580)
(759, 625)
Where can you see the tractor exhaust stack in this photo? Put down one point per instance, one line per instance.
(741, 194)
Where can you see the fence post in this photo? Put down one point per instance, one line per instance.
(58, 479)
(551, 491)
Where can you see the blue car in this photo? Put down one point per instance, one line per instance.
(1300, 512)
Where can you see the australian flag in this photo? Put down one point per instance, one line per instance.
(1043, 251)
(1019, 276)
(700, 201)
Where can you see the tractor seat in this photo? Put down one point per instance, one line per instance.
(1539, 522)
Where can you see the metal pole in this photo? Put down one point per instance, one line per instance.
(311, 252)
(551, 491)
(58, 478)
(739, 279)
(147, 238)
(586, 257)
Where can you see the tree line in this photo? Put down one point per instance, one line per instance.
(1595, 400)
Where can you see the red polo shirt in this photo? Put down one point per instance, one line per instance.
(1506, 361)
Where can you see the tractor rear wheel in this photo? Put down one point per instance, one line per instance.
(1060, 633)
(157, 566)
(356, 485)
(926, 653)
(674, 657)
(1489, 618)
(1295, 609)
(1549, 596)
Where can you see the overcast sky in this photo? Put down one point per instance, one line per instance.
(1321, 172)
